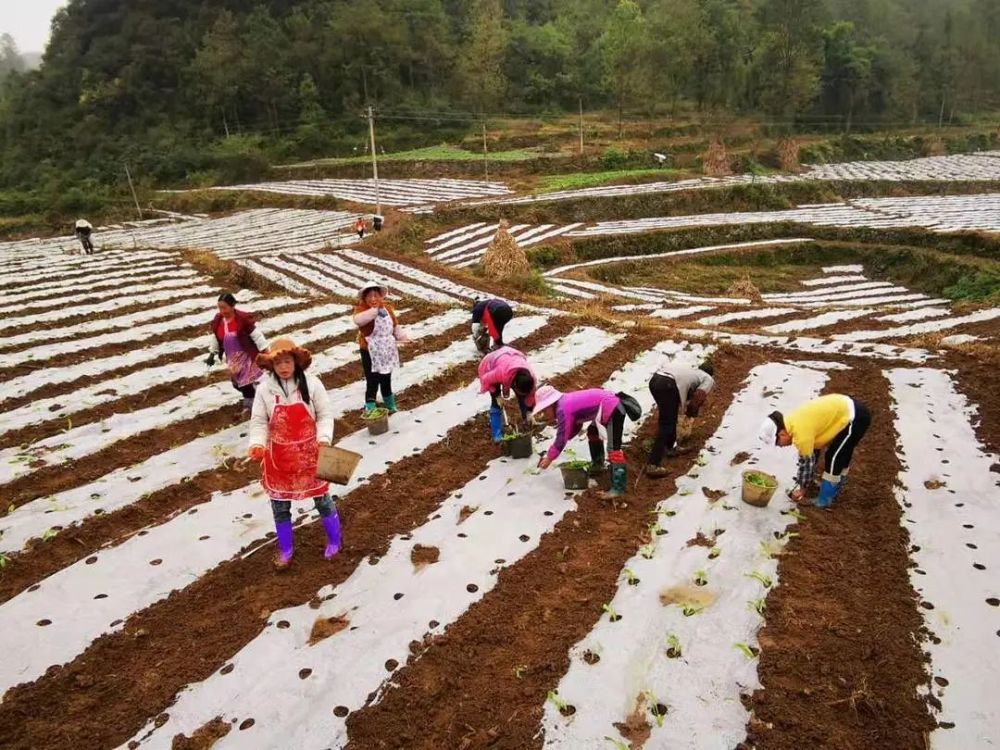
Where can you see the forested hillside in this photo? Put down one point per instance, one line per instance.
(163, 82)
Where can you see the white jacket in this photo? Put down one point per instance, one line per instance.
(270, 387)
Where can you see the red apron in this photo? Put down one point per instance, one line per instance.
(289, 471)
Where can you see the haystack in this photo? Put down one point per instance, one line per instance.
(788, 155)
(715, 161)
(504, 258)
(745, 288)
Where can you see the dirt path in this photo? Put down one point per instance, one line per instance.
(840, 658)
(484, 681)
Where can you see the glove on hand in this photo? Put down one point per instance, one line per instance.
(211, 359)
(256, 452)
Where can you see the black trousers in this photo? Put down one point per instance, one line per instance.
(374, 382)
(668, 405)
(248, 391)
(501, 315)
(840, 452)
(615, 428)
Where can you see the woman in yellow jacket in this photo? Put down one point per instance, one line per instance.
(834, 422)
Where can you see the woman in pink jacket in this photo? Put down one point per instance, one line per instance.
(501, 371)
(570, 411)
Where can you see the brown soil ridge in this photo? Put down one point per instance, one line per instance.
(539, 608)
(86, 352)
(55, 389)
(49, 480)
(43, 558)
(157, 394)
(977, 380)
(178, 295)
(840, 657)
(181, 640)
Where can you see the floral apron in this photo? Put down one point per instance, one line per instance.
(289, 471)
(242, 369)
(382, 346)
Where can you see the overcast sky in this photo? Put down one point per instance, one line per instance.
(28, 21)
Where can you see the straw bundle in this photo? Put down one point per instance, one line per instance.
(504, 258)
(715, 161)
(745, 288)
(788, 155)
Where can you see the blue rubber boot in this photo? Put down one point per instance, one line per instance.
(496, 423)
(369, 407)
(828, 490)
(390, 403)
(619, 475)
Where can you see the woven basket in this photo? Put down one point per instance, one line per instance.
(336, 464)
(756, 495)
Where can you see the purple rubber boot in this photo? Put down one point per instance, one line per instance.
(332, 525)
(285, 545)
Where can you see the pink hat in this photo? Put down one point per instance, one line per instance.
(545, 397)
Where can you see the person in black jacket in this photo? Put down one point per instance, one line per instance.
(489, 316)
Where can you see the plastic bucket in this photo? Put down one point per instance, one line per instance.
(521, 447)
(378, 426)
(754, 494)
(336, 464)
(575, 479)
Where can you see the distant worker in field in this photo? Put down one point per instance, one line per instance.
(834, 422)
(570, 411)
(236, 337)
(676, 389)
(379, 338)
(83, 229)
(489, 316)
(501, 372)
(291, 418)
(359, 227)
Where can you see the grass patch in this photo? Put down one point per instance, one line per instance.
(443, 152)
(576, 180)
(709, 277)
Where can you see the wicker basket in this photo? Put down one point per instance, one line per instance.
(336, 464)
(756, 495)
(378, 426)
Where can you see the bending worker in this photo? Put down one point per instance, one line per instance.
(489, 316)
(675, 387)
(834, 422)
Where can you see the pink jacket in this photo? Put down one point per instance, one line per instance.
(499, 367)
(577, 408)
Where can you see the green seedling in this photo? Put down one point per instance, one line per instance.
(4, 561)
(701, 461)
(630, 577)
(619, 745)
(794, 513)
(772, 549)
(375, 414)
(759, 480)
(654, 708)
(655, 529)
(673, 646)
(748, 651)
(555, 700)
(691, 609)
(765, 580)
(48, 534)
(714, 553)
(613, 616)
(647, 551)
(701, 578)
(668, 513)
(685, 492)
(575, 465)
(758, 606)
(519, 670)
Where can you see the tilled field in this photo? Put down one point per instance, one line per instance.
(476, 602)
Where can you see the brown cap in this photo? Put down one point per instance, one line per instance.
(265, 360)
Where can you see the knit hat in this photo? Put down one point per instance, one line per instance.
(372, 284)
(265, 360)
(545, 397)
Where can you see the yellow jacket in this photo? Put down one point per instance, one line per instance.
(815, 424)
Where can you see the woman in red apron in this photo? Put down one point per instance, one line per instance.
(291, 418)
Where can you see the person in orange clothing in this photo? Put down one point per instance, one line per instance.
(834, 422)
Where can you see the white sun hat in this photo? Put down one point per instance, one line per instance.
(373, 284)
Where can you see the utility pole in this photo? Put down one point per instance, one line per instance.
(581, 126)
(371, 135)
(132, 188)
(486, 161)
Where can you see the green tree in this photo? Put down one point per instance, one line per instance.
(623, 45)
(482, 81)
(215, 71)
(787, 57)
(847, 71)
